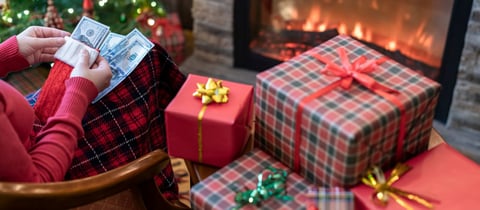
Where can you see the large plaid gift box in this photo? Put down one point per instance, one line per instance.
(442, 176)
(213, 134)
(335, 110)
(219, 190)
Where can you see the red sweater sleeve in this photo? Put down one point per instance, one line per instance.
(10, 57)
(50, 158)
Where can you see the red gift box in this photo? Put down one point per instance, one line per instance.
(220, 135)
(335, 110)
(441, 174)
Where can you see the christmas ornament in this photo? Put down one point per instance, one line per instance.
(88, 8)
(52, 19)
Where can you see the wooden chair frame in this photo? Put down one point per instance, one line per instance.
(137, 175)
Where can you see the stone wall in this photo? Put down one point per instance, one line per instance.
(465, 109)
(213, 29)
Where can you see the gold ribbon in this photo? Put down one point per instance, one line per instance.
(212, 91)
(375, 178)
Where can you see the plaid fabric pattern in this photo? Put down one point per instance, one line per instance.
(218, 190)
(343, 132)
(129, 121)
(172, 38)
(322, 198)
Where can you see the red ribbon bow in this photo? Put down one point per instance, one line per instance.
(349, 72)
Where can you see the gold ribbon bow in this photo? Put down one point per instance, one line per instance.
(212, 91)
(375, 178)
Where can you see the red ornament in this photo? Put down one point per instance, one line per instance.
(88, 8)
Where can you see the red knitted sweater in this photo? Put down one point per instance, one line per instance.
(49, 158)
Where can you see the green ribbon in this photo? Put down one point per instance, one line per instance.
(274, 185)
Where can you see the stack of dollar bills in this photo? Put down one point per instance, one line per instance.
(123, 52)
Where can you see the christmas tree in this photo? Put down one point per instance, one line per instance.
(121, 15)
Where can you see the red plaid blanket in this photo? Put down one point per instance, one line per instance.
(129, 121)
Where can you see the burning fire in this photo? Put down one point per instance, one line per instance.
(314, 23)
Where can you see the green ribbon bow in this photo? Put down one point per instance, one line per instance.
(274, 185)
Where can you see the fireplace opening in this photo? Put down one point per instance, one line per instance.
(426, 36)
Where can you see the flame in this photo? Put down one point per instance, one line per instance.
(314, 14)
(342, 28)
(357, 31)
(368, 35)
(320, 19)
(308, 26)
(392, 45)
(322, 27)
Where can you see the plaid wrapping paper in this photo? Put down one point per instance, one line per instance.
(218, 190)
(128, 122)
(322, 198)
(171, 37)
(343, 132)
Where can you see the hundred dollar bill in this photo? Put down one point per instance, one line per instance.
(134, 36)
(111, 41)
(124, 62)
(90, 32)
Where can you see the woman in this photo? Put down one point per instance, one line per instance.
(88, 139)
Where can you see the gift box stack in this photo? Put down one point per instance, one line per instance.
(334, 118)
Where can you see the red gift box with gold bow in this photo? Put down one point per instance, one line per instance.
(341, 107)
(209, 121)
(441, 179)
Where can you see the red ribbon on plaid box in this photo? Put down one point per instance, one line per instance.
(342, 133)
(349, 72)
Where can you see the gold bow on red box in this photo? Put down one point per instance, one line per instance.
(375, 178)
(212, 91)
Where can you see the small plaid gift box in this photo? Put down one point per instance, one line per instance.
(218, 191)
(341, 107)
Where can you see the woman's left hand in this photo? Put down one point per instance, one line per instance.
(38, 44)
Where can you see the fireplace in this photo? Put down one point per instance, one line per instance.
(417, 34)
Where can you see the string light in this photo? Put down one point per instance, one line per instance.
(151, 21)
(153, 4)
(102, 3)
(70, 10)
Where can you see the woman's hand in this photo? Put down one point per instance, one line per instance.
(38, 44)
(100, 73)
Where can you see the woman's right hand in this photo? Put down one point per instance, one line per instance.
(100, 73)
